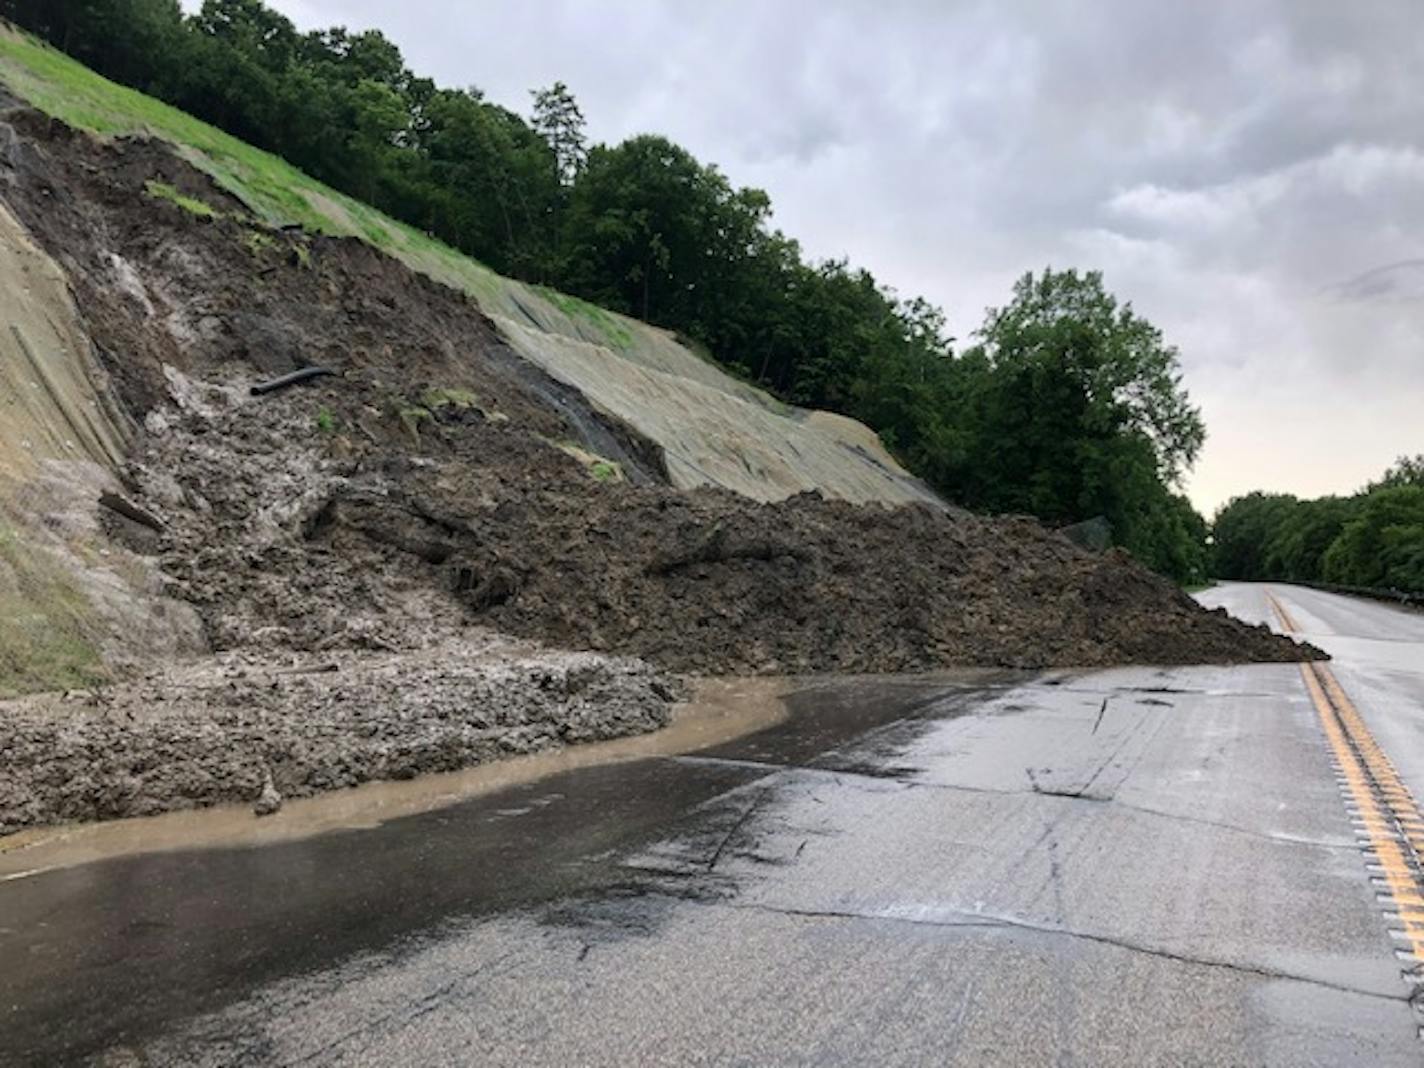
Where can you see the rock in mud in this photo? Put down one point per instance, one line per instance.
(269, 801)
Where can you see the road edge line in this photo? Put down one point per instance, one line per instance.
(1386, 819)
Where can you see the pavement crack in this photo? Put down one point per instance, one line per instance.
(773, 768)
(1038, 790)
(1099, 721)
(1002, 922)
(402, 1016)
(1278, 839)
(735, 829)
(1053, 791)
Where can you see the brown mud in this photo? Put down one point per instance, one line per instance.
(219, 729)
(435, 483)
(718, 711)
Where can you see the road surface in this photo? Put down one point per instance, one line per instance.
(1139, 866)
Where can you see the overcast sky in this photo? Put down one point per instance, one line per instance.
(1249, 173)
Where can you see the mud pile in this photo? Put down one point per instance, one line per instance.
(285, 536)
(223, 729)
(437, 482)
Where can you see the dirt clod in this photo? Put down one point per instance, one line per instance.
(269, 801)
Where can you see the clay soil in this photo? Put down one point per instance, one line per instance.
(424, 491)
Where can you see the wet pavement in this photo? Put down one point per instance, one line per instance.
(1124, 867)
(1378, 651)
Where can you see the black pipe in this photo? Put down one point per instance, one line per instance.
(300, 375)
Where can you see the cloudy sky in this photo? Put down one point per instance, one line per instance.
(1249, 173)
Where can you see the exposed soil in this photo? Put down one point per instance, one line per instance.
(286, 537)
(160, 287)
(223, 729)
(379, 513)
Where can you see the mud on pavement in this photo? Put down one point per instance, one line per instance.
(437, 482)
(222, 729)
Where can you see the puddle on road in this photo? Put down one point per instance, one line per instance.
(722, 709)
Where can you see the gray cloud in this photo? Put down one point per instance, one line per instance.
(1403, 281)
(1235, 167)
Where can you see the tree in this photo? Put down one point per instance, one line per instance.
(1065, 328)
(1241, 530)
(1383, 544)
(644, 231)
(1072, 406)
(1405, 471)
(558, 120)
(250, 28)
(377, 120)
(1295, 548)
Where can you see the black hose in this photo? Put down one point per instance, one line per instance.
(301, 375)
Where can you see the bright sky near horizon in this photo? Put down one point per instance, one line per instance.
(1249, 173)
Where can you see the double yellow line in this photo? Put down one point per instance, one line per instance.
(1386, 817)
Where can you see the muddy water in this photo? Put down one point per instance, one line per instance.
(720, 711)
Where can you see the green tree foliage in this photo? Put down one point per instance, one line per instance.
(559, 121)
(1069, 407)
(1382, 544)
(1406, 471)
(645, 224)
(1296, 547)
(1072, 406)
(1373, 539)
(1071, 339)
(1242, 530)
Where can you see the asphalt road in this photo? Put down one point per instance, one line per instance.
(1123, 867)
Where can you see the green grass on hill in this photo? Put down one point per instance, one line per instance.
(609, 325)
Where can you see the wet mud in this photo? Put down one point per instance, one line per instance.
(432, 463)
(718, 711)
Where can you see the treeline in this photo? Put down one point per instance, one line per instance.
(1068, 406)
(1374, 538)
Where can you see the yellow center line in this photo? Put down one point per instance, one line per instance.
(1390, 819)
(1285, 617)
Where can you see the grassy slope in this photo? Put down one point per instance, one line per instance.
(45, 623)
